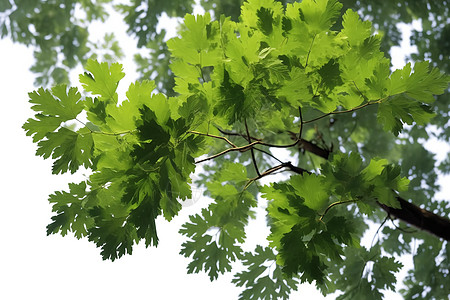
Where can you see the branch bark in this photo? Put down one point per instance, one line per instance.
(313, 148)
(420, 218)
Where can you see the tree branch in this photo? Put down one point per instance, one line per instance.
(420, 218)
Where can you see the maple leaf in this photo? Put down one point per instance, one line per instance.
(54, 107)
(111, 231)
(103, 79)
(356, 30)
(421, 84)
(319, 14)
(196, 44)
(69, 149)
(401, 109)
(72, 214)
(313, 189)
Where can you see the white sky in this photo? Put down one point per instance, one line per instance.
(36, 266)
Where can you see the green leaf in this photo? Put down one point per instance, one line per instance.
(296, 90)
(356, 30)
(206, 254)
(54, 107)
(233, 104)
(103, 80)
(400, 109)
(263, 279)
(384, 270)
(421, 84)
(112, 233)
(69, 149)
(196, 44)
(72, 214)
(320, 14)
(261, 15)
(299, 257)
(314, 189)
(388, 181)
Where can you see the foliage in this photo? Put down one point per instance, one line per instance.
(243, 90)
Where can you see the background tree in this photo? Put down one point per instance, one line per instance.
(363, 136)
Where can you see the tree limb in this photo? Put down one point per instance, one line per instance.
(420, 218)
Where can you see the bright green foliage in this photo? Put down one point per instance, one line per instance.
(140, 159)
(70, 148)
(244, 89)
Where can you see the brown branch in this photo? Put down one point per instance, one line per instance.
(409, 212)
(313, 148)
(310, 147)
(420, 218)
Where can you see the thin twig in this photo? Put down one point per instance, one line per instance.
(84, 124)
(316, 119)
(112, 133)
(236, 134)
(276, 168)
(268, 153)
(279, 146)
(240, 149)
(216, 137)
(403, 229)
(251, 150)
(265, 173)
(381, 225)
(344, 111)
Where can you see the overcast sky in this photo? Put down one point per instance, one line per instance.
(36, 266)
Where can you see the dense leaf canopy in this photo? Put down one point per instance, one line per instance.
(307, 77)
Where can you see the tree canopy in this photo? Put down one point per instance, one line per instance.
(308, 78)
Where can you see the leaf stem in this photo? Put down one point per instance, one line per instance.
(309, 51)
(332, 205)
